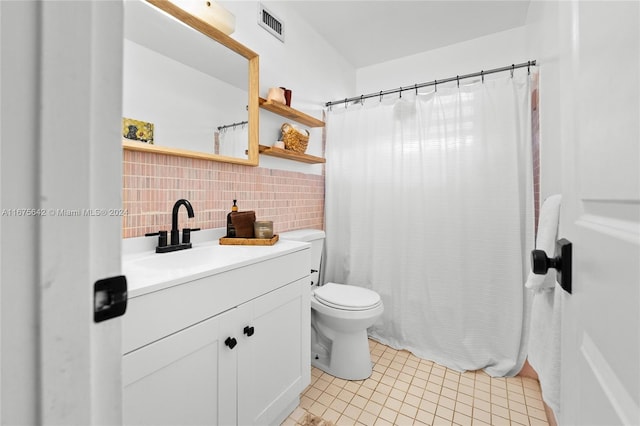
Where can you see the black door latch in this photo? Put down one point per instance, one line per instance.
(109, 298)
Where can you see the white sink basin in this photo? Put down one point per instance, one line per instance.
(149, 271)
(196, 257)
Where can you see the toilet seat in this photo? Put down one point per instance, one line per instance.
(347, 297)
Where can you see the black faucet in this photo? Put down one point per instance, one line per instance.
(175, 243)
(175, 233)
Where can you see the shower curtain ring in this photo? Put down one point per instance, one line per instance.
(345, 103)
(416, 87)
(482, 75)
(361, 99)
(528, 67)
(513, 67)
(400, 92)
(435, 85)
(458, 80)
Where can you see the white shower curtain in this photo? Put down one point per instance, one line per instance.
(233, 141)
(429, 202)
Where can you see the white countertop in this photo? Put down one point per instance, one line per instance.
(148, 271)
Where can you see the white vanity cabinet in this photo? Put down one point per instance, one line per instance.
(273, 363)
(179, 380)
(230, 348)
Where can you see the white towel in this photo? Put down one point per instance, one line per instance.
(546, 240)
(544, 343)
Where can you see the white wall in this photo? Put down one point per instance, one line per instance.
(304, 63)
(492, 51)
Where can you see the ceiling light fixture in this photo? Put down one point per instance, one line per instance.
(210, 12)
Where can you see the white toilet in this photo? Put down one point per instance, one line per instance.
(340, 316)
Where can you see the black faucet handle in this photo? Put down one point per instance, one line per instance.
(162, 240)
(186, 234)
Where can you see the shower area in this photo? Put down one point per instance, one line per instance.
(231, 139)
(430, 202)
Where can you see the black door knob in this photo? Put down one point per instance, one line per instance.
(249, 331)
(231, 342)
(540, 263)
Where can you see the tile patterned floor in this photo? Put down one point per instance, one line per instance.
(407, 390)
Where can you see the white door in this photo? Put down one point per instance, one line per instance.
(74, 113)
(601, 214)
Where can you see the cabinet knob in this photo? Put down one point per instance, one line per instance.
(249, 331)
(231, 342)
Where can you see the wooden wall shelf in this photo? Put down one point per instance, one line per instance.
(290, 155)
(290, 113)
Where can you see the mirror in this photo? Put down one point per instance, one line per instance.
(188, 89)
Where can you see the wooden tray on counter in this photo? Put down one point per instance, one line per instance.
(224, 241)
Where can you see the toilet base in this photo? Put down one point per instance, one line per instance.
(349, 357)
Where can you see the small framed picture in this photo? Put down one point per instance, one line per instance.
(137, 130)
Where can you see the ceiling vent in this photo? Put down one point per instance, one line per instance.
(271, 23)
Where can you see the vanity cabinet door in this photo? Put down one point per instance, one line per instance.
(187, 378)
(273, 353)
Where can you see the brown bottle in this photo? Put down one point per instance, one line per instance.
(231, 230)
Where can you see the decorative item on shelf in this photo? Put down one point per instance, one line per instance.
(276, 94)
(294, 139)
(287, 96)
(137, 130)
(278, 144)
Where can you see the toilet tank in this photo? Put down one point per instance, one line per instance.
(316, 238)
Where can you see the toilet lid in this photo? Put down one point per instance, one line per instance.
(350, 297)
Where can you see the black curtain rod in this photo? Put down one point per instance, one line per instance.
(227, 126)
(511, 67)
